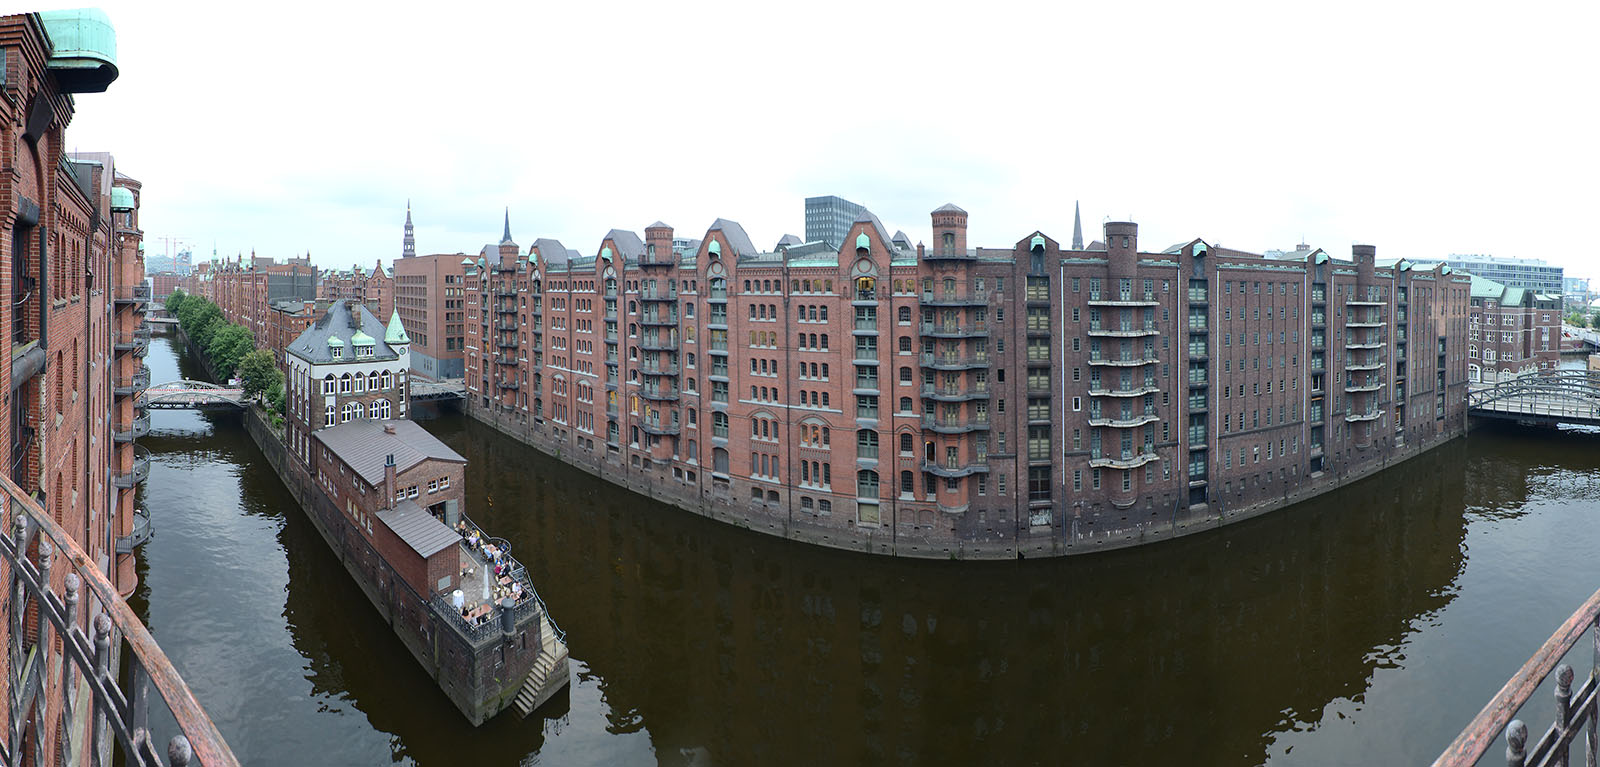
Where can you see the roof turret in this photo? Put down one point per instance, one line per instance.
(396, 333)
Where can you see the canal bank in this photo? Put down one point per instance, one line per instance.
(482, 669)
(1077, 537)
(1365, 627)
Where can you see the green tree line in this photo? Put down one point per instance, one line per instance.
(231, 349)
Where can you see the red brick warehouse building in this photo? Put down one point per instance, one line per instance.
(959, 401)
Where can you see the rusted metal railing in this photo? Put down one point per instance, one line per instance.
(1575, 710)
(39, 615)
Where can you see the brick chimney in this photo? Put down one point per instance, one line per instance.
(389, 479)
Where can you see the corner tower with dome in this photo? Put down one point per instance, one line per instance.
(348, 365)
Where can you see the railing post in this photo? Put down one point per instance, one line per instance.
(102, 664)
(1516, 737)
(1563, 709)
(1590, 741)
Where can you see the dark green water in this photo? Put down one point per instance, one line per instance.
(1364, 627)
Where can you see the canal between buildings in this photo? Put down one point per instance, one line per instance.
(1364, 627)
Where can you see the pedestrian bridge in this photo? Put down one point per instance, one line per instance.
(1549, 397)
(438, 391)
(191, 395)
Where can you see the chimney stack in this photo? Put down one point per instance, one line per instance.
(389, 478)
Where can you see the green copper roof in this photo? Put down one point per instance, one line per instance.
(1482, 288)
(362, 339)
(334, 341)
(714, 248)
(121, 198)
(1036, 242)
(396, 334)
(84, 49)
(863, 241)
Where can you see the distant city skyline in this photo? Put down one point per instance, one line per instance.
(1309, 148)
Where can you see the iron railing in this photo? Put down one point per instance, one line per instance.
(88, 603)
(1574, 711)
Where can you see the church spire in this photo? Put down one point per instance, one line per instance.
(408, 246)
(506, 238)
(1077, 227)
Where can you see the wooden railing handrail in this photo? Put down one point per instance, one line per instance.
(205, 740)
(1486, 727)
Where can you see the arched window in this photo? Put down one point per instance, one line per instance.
(372, 381)
(905, 343)
(904, 315)
(905, 443)
(373, 410)
(388, 380)
(344, 384)
(327, 384)
(383, 409)
(866, 443)
(905, 404)
(907, 483)
(866, 484)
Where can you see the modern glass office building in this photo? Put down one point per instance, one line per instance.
(828, 219)
(1529, 273)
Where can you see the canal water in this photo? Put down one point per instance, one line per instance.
(1364, 627)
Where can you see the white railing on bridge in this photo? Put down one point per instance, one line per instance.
(191, 394)
(1563, 395)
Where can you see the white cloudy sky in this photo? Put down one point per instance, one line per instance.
(1425, 129)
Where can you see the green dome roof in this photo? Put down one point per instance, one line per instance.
(83, 49)
(334, 341)
(362, 339)
(121, 198)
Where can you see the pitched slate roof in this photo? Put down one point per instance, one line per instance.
(364, 446)
(552, 251)
(419, 529)
(737, 239)
(628, 243)
(312, 345)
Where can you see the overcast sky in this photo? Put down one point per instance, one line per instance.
(284, 128)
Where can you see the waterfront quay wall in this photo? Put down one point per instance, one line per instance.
(1084, 534)
(472, 672)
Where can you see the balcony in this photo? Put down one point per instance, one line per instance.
(1123, 331)
(1354, 302)
(1366, 324)
(658, 368)
(1372, 345)
(505, 291)
(955, 468)
(1124, 422)
(142, 531)
(131, 385)
(658, 428)
(512, 385)
(506, 309)
(506, 327)
(1361, 388)
(955, 361)
(136, 341)
(954, 329)
(652, 293)
(944, 425)
(659, 343)
(1362, 366)
(1127, 459)
(1130, 360)
(1371, 415)
(133, 294)
(949, 254)
(140, 471)
(508, 361)
(139, 428)
(659, 393)
(652, 318)
(1123, 299)
(955, 298)
(866, 325)
(1101, 391)
(956, 393)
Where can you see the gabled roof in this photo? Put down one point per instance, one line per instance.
(788, 239)
(363, 444)
(552, 251)
(1485, 288)
(628, 243)
(734, 234)
(335, 323)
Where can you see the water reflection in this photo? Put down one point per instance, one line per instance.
(693, 641)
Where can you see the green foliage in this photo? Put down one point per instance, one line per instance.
(200, 319)
(175, 302)
(276, 397)
(258, 373)
(227, 348)
(1594, 321)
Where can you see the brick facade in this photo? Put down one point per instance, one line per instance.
(1512, 332)
(430, 295)
(374, 288)
(960, 401)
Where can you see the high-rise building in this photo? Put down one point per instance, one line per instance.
(957, 401)
(1530, 273)
(828, 219)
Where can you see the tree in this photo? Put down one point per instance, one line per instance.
(175, 302)
(199, 319)
(258, 373)
(227, 347)
(275, 395)
(1594, 321)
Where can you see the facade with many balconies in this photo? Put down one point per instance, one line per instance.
(878, 396)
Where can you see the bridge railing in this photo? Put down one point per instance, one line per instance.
(58, 595)
(1572, 386)
(1575, 711)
